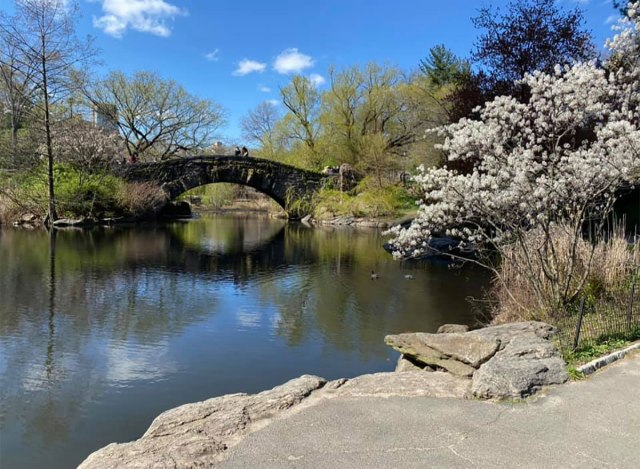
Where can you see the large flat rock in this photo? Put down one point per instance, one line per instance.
(470, 349)
(458, 353)
(194, 435)
(422, 384)
(505, 332)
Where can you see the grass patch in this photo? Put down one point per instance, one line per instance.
(365, 201)
(574, 373)
(587, 353)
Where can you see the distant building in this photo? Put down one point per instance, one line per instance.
(105, 116)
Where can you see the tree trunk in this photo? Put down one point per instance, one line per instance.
(14, 137)
(47, 130)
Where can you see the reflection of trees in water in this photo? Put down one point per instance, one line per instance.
(100, 307)
(68, 301)
(229, 235)
(334, 294)
(145, 283)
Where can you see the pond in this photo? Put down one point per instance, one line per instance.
(102, 330)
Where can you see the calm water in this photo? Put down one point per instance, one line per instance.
(100, 331)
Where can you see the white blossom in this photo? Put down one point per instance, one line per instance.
(561, 156)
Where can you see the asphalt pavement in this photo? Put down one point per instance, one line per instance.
(594, 423)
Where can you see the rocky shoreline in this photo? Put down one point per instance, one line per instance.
(349, 221)
(172, 211)
(510, 361)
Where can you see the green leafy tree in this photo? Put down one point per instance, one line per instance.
(300, 123)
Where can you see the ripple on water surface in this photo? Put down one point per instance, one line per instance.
(101, 331)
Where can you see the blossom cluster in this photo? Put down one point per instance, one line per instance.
(85, 145)
(561, 156)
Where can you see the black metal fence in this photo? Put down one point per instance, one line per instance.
(598, 318)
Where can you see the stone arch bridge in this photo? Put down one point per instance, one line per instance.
(283, 183)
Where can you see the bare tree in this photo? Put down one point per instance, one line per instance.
(158, 118)
(16, 89)
(258, 126)
(47, 50)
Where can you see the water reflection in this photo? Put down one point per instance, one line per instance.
(102, 330)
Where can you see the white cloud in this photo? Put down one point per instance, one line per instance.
(316, 79)
(264, 89)
(213, 56)
(147, 16)
(612, 19)
(246, 66)
(139, 363)
(273, 102)
(292, 61)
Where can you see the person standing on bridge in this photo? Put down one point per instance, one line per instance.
(237, 151)
(245, 152)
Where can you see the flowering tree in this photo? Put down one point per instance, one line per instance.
(554, 162)
(86, 146)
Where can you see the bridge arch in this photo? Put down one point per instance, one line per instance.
(282, 182)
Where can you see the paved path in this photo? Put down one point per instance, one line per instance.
(589, 424)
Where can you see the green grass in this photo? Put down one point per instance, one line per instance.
(604, 347)
(366, 201)
(574, 373)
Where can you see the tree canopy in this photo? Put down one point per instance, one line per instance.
(158, 118)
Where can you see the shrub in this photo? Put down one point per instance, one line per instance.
(540, 171)
(81, 194)
(524, 281)
(140, 199)
(368, 200)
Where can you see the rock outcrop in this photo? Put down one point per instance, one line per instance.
(448, 328)
(423, 384)
(193, 435)
(458, 353)
(506, 361)
(405, 364)
(509, 361)
(526, 363)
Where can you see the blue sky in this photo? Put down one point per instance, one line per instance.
(239, 52)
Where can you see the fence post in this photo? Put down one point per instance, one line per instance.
(579, 325)
(630, 311)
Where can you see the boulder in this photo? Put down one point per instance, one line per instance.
(470, 349)
(29, 218)
(193, 435)
(526, 363)
(449, 328)
(412, 346)
(458, 353)
(455, 367)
